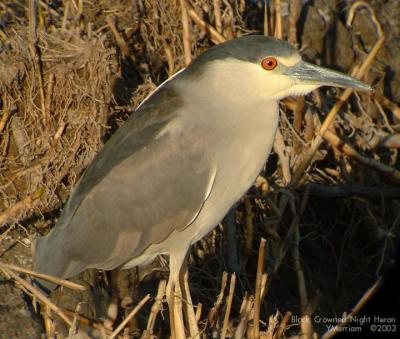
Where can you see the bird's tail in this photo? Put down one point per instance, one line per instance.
(49, 258)
(46, 261)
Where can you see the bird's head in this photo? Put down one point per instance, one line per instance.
(259, 67)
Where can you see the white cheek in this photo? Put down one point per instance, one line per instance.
(298, 90)
(276, 86)
(279, 86)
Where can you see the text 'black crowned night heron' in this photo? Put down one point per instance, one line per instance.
(188, 153)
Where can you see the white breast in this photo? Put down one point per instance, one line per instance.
(241, 152)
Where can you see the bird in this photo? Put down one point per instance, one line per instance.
(185, 156)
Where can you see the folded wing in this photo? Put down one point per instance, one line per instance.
(150, 179)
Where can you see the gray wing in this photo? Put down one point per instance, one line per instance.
(145, 183)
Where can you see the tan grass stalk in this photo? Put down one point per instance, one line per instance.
(266, 23)
(257, 299)
(188, 307)
(6, 113)
(350, 151)
(278, 19)
(213, 314)
(282, 325)
(122, 44)
(55, 280)
(364, 299)
(38, 294)
(35, 54)
(245, 310)
(25, 203)
(362, 4)
(198, 311)
(170, 60)
(65, 16)
(156, 307)
(228, 305)
(298, 111)
(295, 7)
(280, 150)
(87, 322)
(129, 317)
(332, 114)
(217, 15)
(306, 323)
(49, 94)
(385, 102)
(216, 37)
(185, 33)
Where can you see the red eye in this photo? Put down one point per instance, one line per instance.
(269, 63)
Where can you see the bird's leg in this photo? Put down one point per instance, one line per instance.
(187, 301)
(173, 294)
(178, 316)
(169, 294)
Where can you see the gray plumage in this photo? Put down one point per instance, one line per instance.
(132, 173)
(183, 158)
(250, 48)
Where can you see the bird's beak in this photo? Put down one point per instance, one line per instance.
(306, 73)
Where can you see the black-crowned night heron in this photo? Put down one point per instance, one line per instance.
(188, 153)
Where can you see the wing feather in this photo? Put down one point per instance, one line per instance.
(148, 180)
